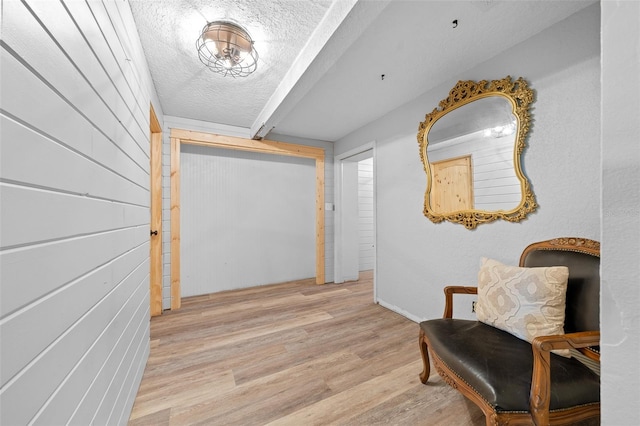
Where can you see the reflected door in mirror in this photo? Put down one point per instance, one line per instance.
(452, 188)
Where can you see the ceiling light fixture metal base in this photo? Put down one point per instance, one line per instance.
(227, 48)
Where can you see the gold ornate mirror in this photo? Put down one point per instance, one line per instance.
(471, 146)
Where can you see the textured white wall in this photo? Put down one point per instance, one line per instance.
(562, 161)
(247, 219)
(620, 297)
(74, 313)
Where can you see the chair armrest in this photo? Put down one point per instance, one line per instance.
(449, 291)
(542, 346)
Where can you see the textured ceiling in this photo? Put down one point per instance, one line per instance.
(169, 29)
(320, 66)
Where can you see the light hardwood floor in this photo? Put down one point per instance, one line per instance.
(291, 354)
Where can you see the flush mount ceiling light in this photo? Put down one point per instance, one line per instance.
(227, 48)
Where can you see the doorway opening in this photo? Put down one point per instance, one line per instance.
(355, 234)
(179, 137)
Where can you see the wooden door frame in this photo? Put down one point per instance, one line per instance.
(179, 137)
(155, 250)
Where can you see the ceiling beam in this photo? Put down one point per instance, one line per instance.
(343, 23)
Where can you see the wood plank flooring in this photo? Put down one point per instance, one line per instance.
(291, 354)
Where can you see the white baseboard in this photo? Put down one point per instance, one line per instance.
(400, 311)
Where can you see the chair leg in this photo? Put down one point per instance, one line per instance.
(426, 369)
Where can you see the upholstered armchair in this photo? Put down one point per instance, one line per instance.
(499, 362)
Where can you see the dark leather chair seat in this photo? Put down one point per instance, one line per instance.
(498, 366)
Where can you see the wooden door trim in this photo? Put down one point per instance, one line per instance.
(179, 136)
(155, 249)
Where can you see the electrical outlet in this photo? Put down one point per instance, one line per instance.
(473, 306)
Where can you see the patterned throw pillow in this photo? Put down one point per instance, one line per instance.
(526, 302)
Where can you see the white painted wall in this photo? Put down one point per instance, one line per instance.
(561, 162)
(247, 219)
(366, 252)
(74, 255)
(620, 200)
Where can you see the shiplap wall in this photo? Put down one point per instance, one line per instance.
(247, 219)
(74, 189)
(365, 215)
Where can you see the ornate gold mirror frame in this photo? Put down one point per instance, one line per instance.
(520, 97)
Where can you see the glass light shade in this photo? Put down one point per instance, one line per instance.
(227, 48)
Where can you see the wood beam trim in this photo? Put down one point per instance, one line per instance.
(242, 144)
(154, 124)
(179, 136)
(155, 276)
(320, 278)
(176, 301)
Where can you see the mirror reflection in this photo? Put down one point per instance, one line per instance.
(470, 155)
(471, 147)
